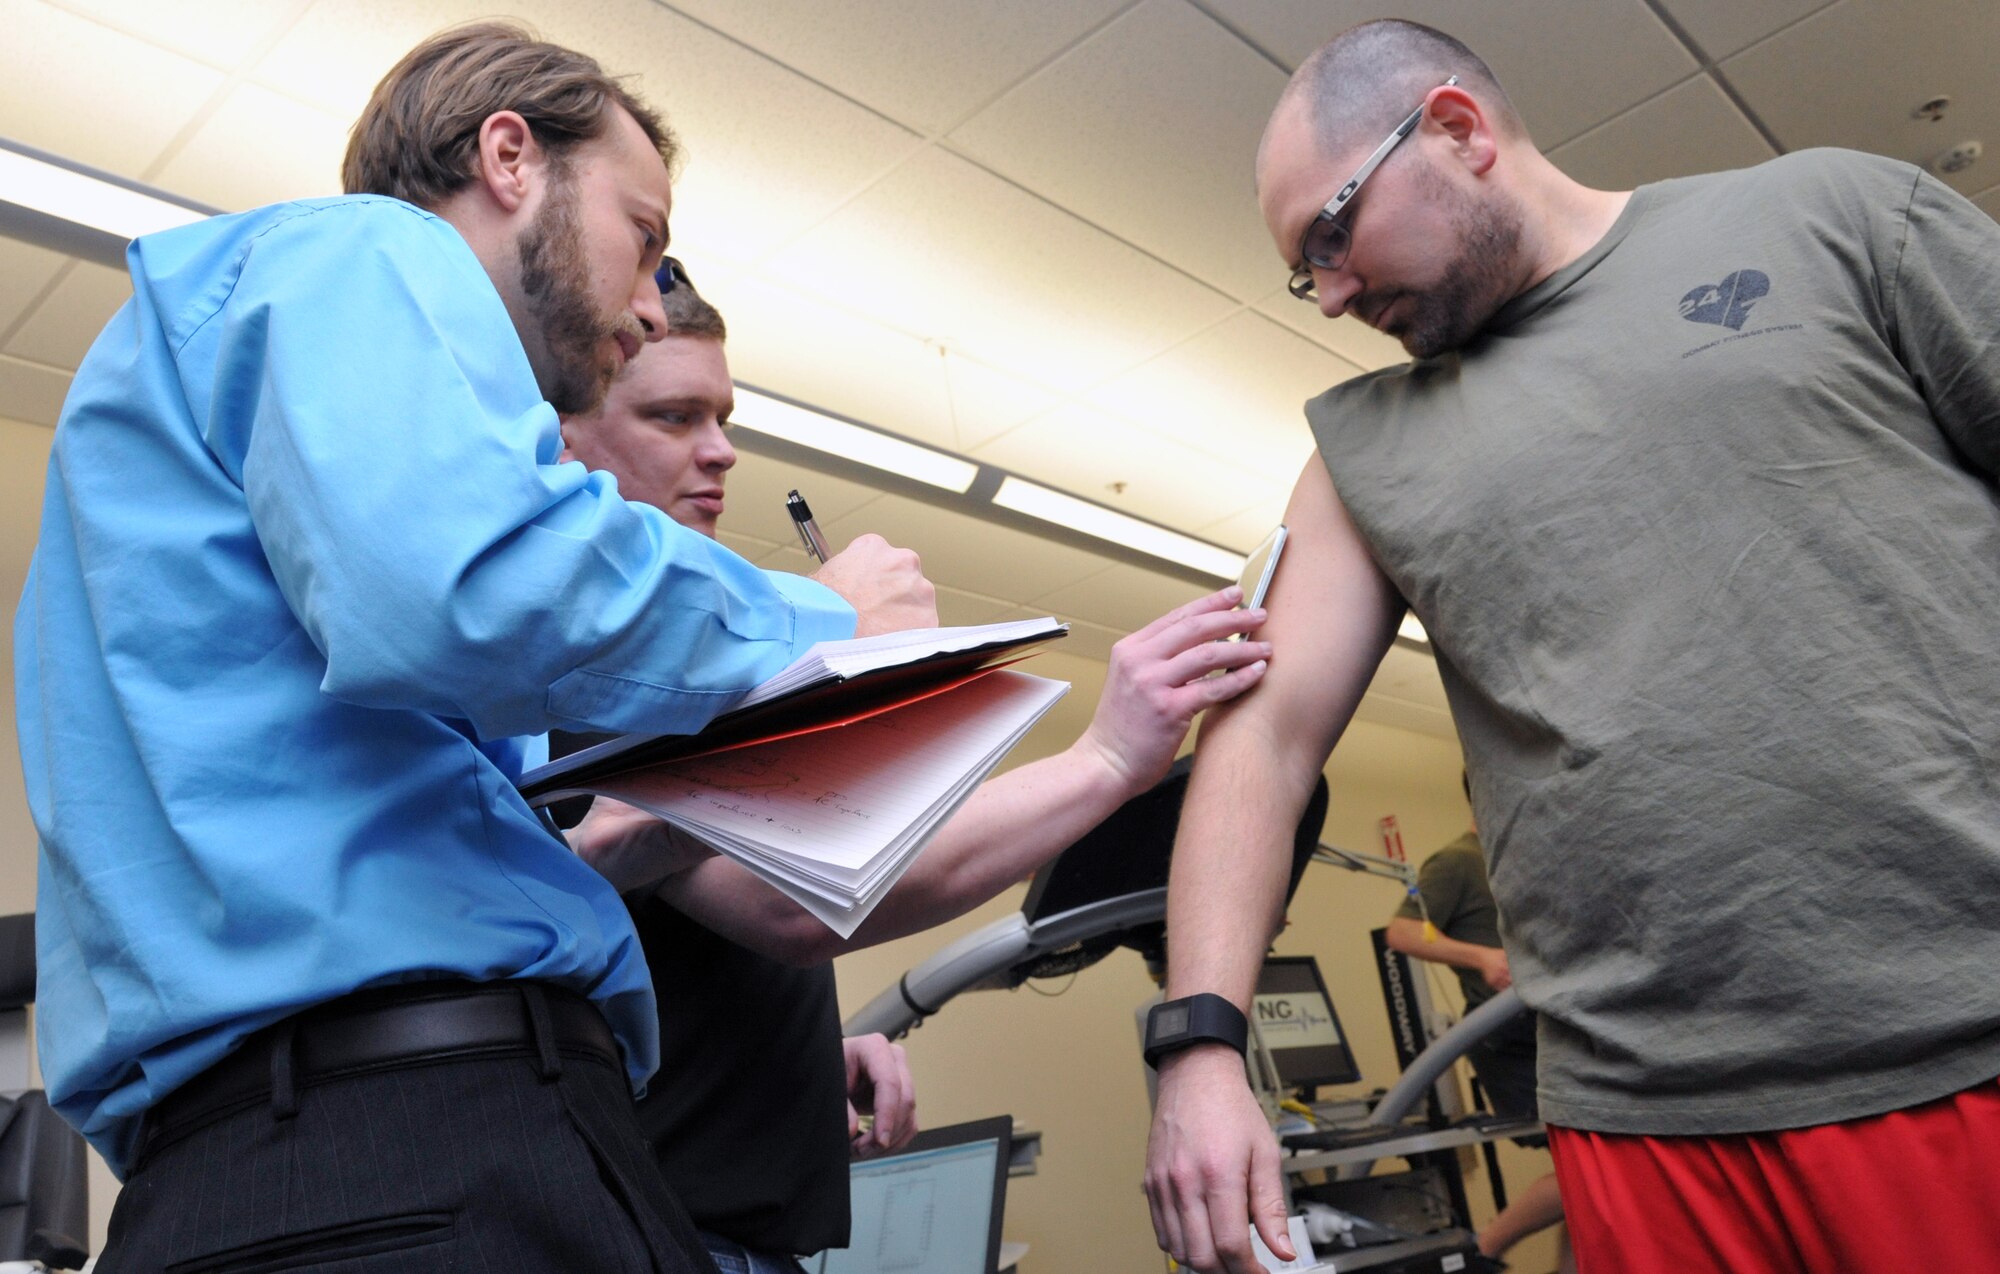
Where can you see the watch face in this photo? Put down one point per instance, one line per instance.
(1169, 1021)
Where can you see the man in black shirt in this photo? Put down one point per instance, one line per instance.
(744, 1113)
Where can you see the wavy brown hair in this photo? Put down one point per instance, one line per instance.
(418, 137)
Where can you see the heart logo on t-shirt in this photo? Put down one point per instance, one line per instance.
(1728, 302)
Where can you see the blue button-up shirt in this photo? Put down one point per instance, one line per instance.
(308, 571)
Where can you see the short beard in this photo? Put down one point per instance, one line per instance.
(555, 279)
(1474, 284)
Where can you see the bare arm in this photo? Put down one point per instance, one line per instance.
(1015, 823)
(1407, 936)
(1212, 1160)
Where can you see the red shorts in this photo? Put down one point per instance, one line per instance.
(1914, 1191)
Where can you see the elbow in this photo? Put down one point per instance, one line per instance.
(799, 939)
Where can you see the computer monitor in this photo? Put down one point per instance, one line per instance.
(1296, 1017)
(933, 1207)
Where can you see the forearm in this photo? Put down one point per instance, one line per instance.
(1005, 831)
(1407, 936)
(1232, 856)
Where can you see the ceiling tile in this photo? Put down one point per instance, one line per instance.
(968, 553)
(24, 466)
(924, 63)
(946, 251)
(985, 401)
(754, 496)
(338, 49)
(1346, 336)
(30, 392)
(1122, 599)
(88, 93)
(1850, 75)
(221, 33)
(24, 271)
(1412, 677)
(842, 362)
(62, 327)
(956, 607)
(1690, 128)
(1723, 27)
(1243, 531)
(297, 151)
(336, 52)
(1386, 710)
(1085, 641)
(745, 546)
(1567, 64)
(1238, 392)
(765, 151)
(1087, 452)
(1159, 166)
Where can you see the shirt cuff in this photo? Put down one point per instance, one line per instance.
(818, 613)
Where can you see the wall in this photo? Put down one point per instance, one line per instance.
(24, 456)
(24, 459)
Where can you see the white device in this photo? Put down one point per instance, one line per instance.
(1258, 570)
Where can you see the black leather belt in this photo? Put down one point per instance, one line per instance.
(386, 1028)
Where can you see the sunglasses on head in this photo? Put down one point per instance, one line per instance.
(671, 275)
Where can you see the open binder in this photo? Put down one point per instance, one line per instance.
(829, 778)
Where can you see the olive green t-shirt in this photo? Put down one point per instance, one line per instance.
(1460, 903)
(1704, 530)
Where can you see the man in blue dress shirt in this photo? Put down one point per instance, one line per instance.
(313, 978)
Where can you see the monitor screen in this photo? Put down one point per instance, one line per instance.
(933, 1207)
(1296, 1017)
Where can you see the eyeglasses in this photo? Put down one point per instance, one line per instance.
(671, 275)
(1325, 243)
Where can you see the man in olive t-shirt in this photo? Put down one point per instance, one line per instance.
(1693, 488)
(1458, 901)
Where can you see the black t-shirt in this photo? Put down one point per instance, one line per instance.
(747, 1115)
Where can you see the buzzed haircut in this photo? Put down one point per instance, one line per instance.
(418, 137)
(1363, 82)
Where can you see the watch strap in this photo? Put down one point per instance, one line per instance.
(1203, 1018)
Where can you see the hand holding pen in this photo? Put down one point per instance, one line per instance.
(884, 584)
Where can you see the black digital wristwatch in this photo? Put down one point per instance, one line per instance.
(1198, 1019)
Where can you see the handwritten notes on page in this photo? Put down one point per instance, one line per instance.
(832, 819)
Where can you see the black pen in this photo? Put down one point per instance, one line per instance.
(802, 517)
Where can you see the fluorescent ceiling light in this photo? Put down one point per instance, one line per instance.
(67, 195)
(1108, 524)
(1412, 629)
(807, 428)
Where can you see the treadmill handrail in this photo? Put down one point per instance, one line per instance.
(985, 954)
(1444, 1050)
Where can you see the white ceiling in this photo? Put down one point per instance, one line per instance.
(1018, 229)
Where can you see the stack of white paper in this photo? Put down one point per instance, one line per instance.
(832, 660)
(834, 818)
